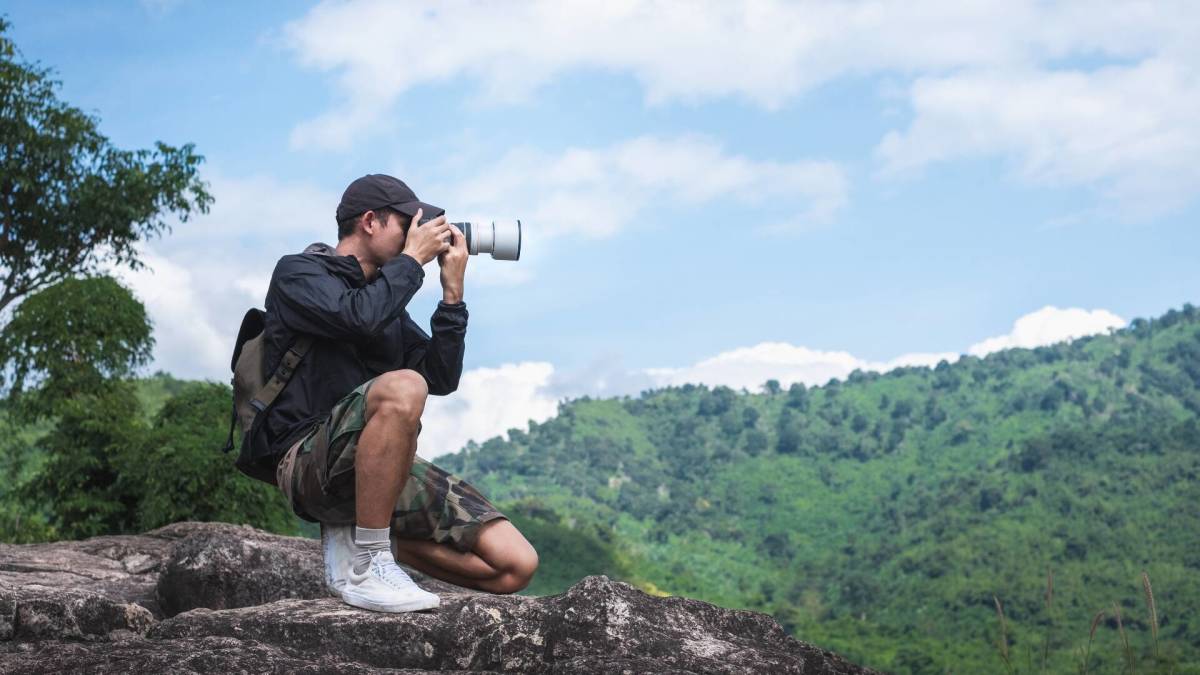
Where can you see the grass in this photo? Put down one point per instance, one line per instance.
(1155, 664)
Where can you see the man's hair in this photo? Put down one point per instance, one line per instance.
(346, 226)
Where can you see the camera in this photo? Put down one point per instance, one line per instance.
(501, 238)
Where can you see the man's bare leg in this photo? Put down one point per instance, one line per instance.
(387, 444)
(382, 463)
(502, 561)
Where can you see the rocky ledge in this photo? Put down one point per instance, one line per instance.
(210, 597)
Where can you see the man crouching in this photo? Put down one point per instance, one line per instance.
(344, 429)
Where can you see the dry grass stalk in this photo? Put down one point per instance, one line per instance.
(1003, 635)
(1091, 636)
(1124, 638)
(1150, 606)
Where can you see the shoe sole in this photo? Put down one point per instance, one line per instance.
(395, 607)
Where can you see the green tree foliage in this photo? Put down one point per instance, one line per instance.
(99, 468)
(84, 483)
(69, 200)
(69, 338)
(68, 346)
(180, 475)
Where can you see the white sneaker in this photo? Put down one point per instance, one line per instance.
(337, 545)
(385, 587)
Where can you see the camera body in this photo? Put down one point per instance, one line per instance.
(501, 238)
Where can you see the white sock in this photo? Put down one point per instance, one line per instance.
(367, 541)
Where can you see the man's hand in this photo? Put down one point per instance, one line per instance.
(454, 266)
(426, 242)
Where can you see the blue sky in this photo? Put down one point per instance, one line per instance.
(710, 192)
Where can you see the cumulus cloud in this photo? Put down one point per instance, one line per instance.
(489, 401)
(1076, 95)
(765, 52)
(1049, 325)
(200, 280)
(1132, 132)
(187, 342)
(259, 211)
(749, 367)
(596, 192)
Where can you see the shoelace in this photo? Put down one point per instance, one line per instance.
(390, 572)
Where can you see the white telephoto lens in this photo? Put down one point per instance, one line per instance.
(506, 240)
(501, 238)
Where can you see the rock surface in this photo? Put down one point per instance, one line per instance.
(209, 597)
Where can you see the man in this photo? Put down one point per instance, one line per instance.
(343, 432)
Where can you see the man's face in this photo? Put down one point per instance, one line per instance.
(388, 240)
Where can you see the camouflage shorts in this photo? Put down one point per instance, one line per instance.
(317, 475)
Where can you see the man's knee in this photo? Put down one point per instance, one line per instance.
(398, 392)
(519, 571)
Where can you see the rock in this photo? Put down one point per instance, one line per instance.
(34, 612)
(230, 569)
(207, 597)
(99, 565)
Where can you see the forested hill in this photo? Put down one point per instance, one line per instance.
(879, 515)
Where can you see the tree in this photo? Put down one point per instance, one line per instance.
(716, 402)
(70, 201)
(797, 396)
(69, 346)
(177, 474)
(789, 433)
(83, 484)
(67, 339)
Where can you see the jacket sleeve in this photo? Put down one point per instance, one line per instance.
(440, 358)
(310, 300)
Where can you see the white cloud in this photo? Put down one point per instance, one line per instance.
(1133, 132)
(489, 401)
(766, 52)
(259, 211)
(200, 279)
(597, 192)
(749, 367)
(1049, 325)
(187, 343)
(1013, 78)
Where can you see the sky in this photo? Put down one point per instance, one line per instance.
(711, 192)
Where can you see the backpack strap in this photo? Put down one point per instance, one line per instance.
(279, 379)
(283, 372)
(232, 423)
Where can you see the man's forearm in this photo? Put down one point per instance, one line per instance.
(440, 358)
(451, 295)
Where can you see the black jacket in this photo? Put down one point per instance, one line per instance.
(362, 330)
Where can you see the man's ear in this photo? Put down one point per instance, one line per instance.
(370, 222)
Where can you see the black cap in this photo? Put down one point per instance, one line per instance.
(377, 190)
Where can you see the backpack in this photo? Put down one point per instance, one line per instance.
(253, 391)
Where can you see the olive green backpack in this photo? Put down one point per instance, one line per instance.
(253, 391)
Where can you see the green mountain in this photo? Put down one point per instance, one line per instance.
(884, 516)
